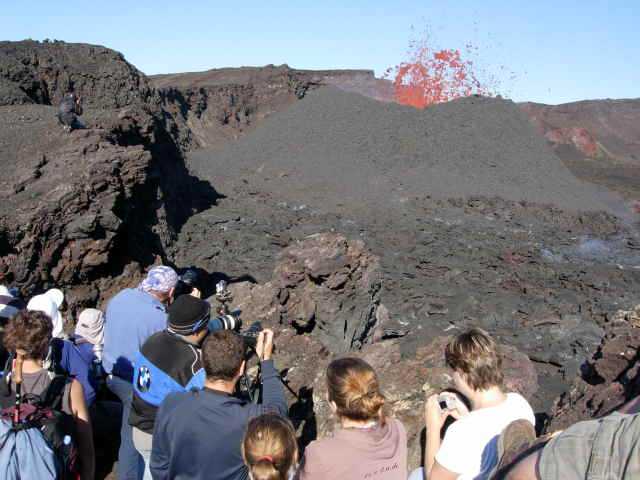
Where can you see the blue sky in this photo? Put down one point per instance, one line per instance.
(560, 51)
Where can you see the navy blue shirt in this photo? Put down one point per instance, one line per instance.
(71, 361)
(198, 434)
(132, 316)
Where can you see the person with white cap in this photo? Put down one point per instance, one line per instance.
(89, 334)
(63, 356)
(49, 303)
(132, 316)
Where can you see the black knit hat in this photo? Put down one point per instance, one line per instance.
(188, 315)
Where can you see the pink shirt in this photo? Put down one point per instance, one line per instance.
(377, 453)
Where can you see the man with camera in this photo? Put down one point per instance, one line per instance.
(198, 434)
(168, 362)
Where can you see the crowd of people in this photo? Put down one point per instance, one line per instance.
(184, 412)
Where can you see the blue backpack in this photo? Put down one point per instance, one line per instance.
(41, 444)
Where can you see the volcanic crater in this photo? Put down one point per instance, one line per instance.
(347, 223)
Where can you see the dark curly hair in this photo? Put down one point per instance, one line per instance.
(29, 332)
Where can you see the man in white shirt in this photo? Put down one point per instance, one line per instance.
(469, 449)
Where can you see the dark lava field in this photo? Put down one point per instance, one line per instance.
(476, 221)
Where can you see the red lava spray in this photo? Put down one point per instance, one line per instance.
(432, 76)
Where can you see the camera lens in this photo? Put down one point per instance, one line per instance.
(229, 322)
(224, 322)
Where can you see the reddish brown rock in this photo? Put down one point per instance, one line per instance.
(609, 379)
(325, 284)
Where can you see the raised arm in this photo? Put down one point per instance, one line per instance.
(273, 399)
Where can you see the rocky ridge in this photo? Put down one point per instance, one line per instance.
(216, 106)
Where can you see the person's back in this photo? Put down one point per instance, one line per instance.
(169, 361)
(198, 434)
(607, 447)
(368, 444)
(68, 110)
(68, 103)
(470, 444)
(37, 383)
(359, 453)
(28, 338)
(469, 449)
(132, 316)
(203, 422)
(66, 358)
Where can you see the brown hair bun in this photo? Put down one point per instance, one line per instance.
(354, 388)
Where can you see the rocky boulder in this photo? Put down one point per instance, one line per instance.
(609, 379)
(76, 206)
(325, 285)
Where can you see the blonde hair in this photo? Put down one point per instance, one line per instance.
(353, 386)
(269, 447)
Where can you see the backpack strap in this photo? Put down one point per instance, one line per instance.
(54, 356)
(54, 395)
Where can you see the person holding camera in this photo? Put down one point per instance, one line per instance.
(470, 445)
(169, 361)
(198, 434)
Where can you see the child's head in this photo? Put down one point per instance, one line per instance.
(269, 448)
(475, 360)
(354, 391)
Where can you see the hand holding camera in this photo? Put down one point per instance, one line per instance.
(439, 406)
(264, 345)
(452, 404)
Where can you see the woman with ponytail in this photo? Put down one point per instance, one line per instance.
(366, 444)
(269, 448)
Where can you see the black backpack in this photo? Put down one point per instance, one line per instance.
(44, 412)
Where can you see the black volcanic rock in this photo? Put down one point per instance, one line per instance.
(80, 207)
(41, 72)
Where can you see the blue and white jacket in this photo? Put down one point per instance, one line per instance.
(166, 364)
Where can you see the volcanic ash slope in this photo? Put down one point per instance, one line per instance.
(335, 147)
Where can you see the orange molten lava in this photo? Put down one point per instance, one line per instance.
(434, 77)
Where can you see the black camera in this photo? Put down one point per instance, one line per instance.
(250, 335)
